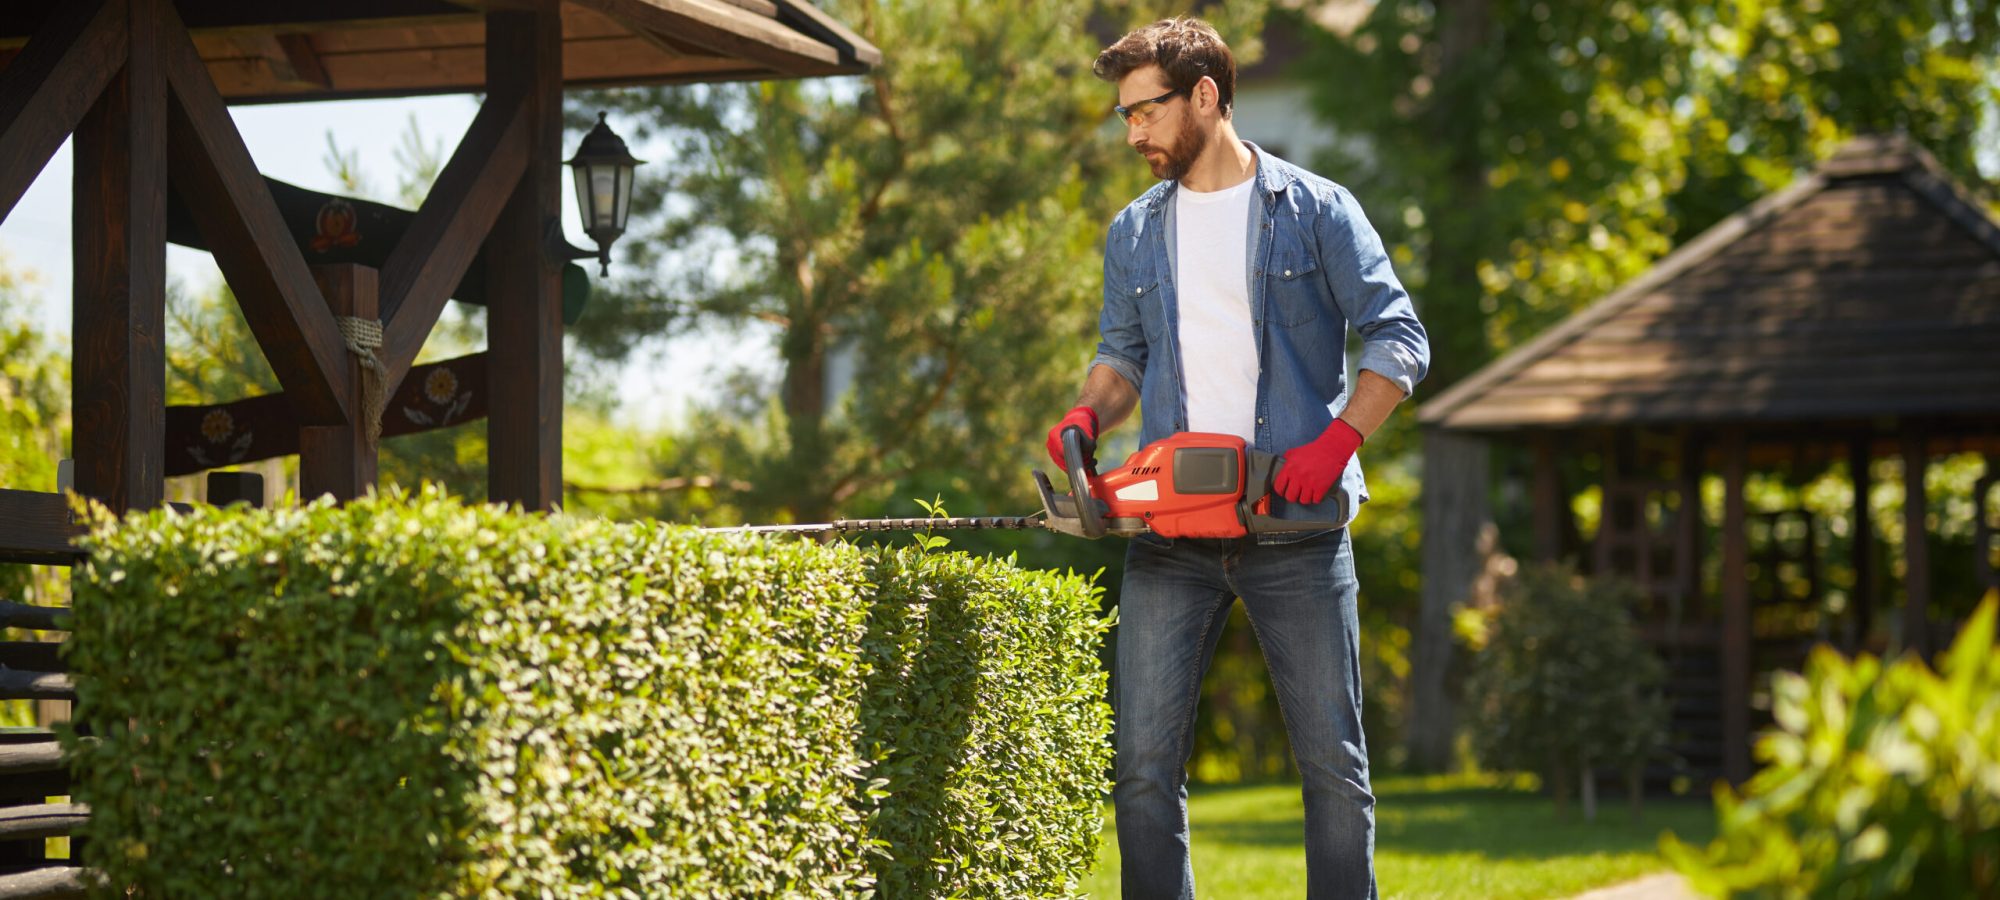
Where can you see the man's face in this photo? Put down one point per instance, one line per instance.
(1168, 132)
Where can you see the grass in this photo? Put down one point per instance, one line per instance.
(1450, 836)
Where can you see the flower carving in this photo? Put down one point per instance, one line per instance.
(217, 425)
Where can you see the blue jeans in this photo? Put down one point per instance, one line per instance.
(1301, 603)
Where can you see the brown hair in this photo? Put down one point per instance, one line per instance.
(1184, 47)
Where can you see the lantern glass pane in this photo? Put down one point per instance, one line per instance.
(624, 196)
(583, 211)
(604, 196)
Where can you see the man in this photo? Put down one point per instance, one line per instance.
(1228, 292)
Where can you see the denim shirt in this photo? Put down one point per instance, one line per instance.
(1316, 266)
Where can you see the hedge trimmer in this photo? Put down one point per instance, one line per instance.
(1192, 484)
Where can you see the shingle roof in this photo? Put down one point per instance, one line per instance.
(1869, 288)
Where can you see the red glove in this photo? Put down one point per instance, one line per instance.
(1082, 417)
(1310, 470)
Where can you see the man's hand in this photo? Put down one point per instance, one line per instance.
(1310, 470)
(1082, 417)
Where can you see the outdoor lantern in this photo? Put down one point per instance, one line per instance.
(603, 169)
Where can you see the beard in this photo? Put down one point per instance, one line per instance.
(1178, 160)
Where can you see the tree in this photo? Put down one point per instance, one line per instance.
(1524, 157)
(921, 245)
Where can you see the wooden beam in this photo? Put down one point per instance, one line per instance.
(306, 65)
(1916, 543)
(238, 16)
(434, 395)
(447, 232)
(35, 528)
(45, 90)
(1735, 633)
(340, 459)
(725, 29)
(119, 232)
(524, 302)
(216, 179)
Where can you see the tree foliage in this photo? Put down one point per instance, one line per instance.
(1524, 157)
(920, 245)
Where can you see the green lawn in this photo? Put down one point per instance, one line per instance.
(1453, 837)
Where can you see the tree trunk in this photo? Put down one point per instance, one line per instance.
(1455, 509)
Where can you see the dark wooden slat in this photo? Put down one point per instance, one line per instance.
(33, 656)
(46, 89)
(217, 180)
(34, 618)
(1734, 648)
(1916, 544)
(45, 820)
(524, 303)
(35, 527)
(434, 395)
(463, 204)
(47, 883)
(338, 459)
(118, 369)
(22, 685)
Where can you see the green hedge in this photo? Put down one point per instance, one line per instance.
(409, 697)
(1880, 780)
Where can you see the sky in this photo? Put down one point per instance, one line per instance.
(289, 143)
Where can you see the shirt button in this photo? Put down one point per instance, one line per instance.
(1138, 290)
(1260, 420)
(1288, 273)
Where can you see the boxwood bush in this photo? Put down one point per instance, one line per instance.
(1880, 780)
(409, 697)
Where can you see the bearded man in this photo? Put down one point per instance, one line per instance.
(1229, 289)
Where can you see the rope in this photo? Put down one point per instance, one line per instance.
(364, 337)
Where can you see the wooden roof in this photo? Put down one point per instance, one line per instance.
(335, 49)
(1869, 288)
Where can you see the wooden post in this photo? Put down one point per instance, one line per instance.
(119, 229)
(1916, 543)
(1862, 594)
(1735, 635)
(524, 307)
(1455, 509)
(339, 460)
(1688, 524)
(1548, 500)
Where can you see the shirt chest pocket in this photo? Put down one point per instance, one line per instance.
(1143, 286)
(1294, 291)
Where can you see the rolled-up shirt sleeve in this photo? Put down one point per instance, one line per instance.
(1122, 348)
(1394, 344)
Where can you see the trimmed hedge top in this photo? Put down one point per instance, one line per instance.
(406, 696)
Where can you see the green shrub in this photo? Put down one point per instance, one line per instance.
(408, 697)
(1878, 781)
(1562, 685)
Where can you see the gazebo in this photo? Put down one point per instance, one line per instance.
(144, 86)
(1851, 317)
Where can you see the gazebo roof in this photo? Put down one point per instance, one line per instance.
(1869, 288)
(335, 49)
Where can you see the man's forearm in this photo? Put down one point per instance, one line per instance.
(1108, 394)
(1374, 397)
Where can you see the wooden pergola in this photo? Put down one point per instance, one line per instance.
(1851, 317)
(143, 86)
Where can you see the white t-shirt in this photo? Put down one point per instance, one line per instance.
(1218, 343)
